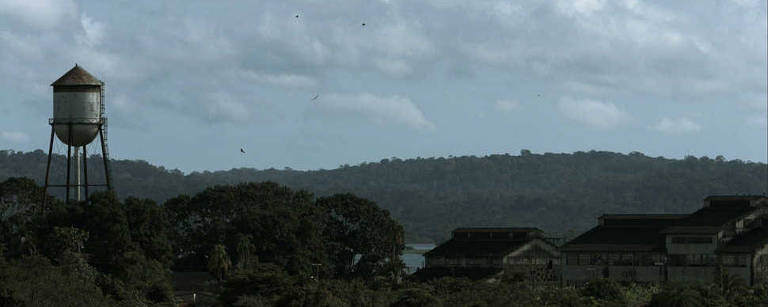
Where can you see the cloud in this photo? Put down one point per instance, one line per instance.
(14, 136)
(42, 14)
(601, 115)
(759, 121)
(380, 109)
(282, 79)
(224, 108)
(393, 67)
(507, 105)
(93, 31)
(677, 126)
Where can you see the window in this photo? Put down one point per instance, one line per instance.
(614, 258)
(647, 259)
(584, 259)
(711, 260)
(735, 260)
(692, 240)
(678, 260)
(625, 259)
(729, 260)
(693, 259)
(741, 260)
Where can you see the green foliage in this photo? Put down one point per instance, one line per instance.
(431, 196)
(640, 295)
(283, 226)
(416, 297)
(120, 248)
(357, 226)
(677, 296)
(218, 262)
(605, 289)
(35, 281)
(266, 283)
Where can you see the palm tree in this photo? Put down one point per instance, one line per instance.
(218, 262)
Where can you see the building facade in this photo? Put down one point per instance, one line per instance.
(728, 235)
(482, 252)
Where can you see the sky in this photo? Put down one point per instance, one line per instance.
(190, 83)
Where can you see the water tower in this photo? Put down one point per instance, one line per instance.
(78, 117)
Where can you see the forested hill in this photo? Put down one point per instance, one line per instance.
(559, 193)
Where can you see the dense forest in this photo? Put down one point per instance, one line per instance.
(262, 244)
(110, 252)
(559, 193)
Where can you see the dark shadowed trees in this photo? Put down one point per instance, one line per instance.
(363, 240)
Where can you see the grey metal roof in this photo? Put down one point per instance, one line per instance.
(625, 232)
(76, 76)
(497, 229)
(475, 248)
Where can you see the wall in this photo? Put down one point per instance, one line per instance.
(690, 273)
(690, 248)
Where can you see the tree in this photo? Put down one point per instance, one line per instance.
(283, 226)
(245, 257)
(218, 262)
(677, 296)
(358, 227)
(416, 297)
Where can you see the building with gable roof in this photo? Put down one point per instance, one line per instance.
(481, 252)
(728, 235)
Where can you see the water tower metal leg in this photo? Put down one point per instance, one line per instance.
(85, 171)
(104, 158)
(47, 172)
(69, 159)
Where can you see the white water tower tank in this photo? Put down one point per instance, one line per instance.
(76, 105)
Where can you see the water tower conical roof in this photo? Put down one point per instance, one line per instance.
(76, 76)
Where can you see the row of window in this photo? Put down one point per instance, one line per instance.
(708, 260)
(627, 259)
(491, 260)
(467, 261)
(692, 240)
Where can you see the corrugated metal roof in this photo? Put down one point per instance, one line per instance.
(475, 248)
(717, 215)
(639, 219)
(497, 229)
(642, 233)
(76, 76)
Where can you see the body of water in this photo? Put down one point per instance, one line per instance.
(414, 262)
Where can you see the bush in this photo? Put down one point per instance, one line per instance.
(416, 297)
(604, 289)
(677, 296)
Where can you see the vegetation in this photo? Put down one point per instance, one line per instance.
(264, 245)
(560, 193)
(122, 252)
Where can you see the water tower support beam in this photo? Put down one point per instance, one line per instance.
(85, 171)
(104, 157)
(47, 172)
(69, 159)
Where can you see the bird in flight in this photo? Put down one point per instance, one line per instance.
(315, 97)
(363, 24)
(297, 15)
(242, 150)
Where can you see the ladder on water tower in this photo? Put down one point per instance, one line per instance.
(104, 130)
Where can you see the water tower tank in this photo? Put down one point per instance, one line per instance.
(76, 107)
